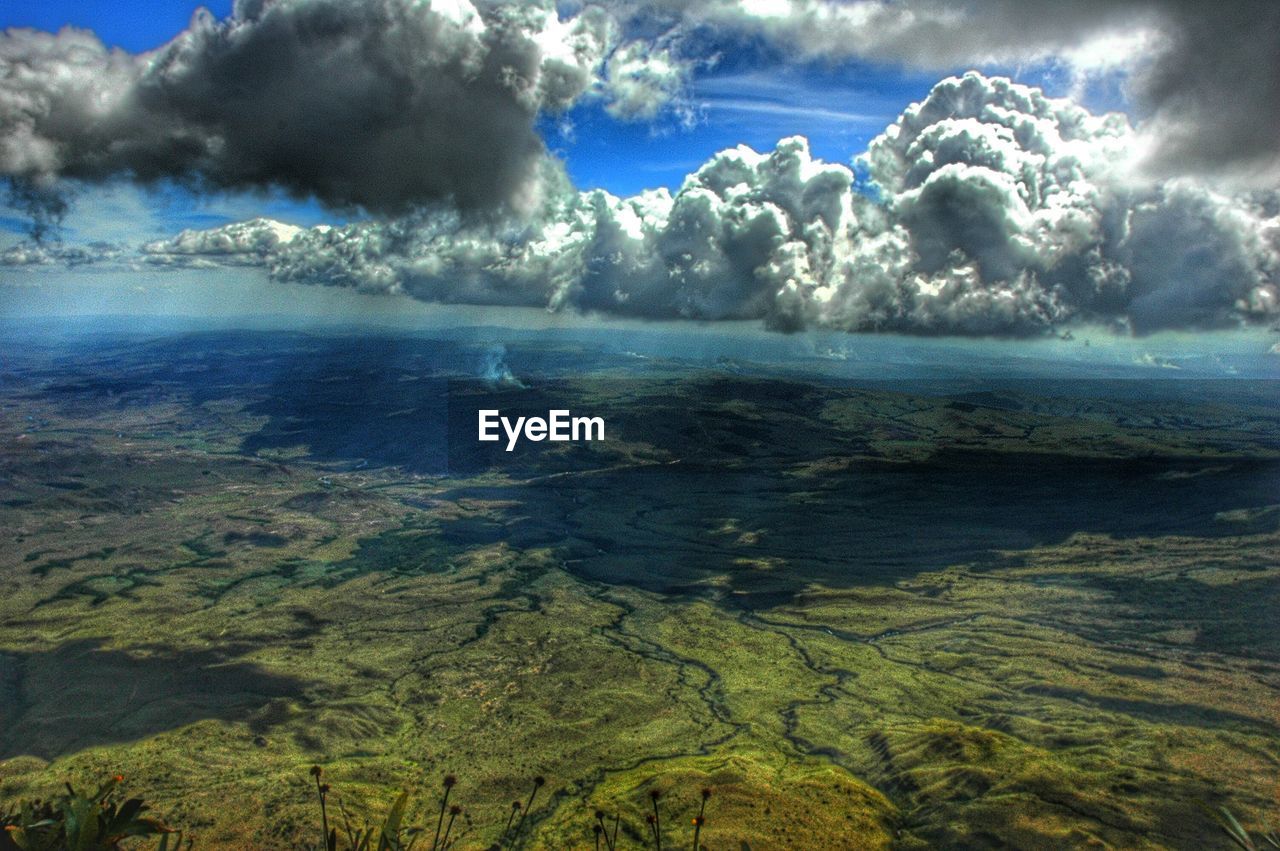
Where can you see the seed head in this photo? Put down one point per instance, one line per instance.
(316, 771)
(450, 781)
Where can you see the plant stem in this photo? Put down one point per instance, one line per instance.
(537, 784)
(510, 818)
(697, 823)
(440, 821)
(324, 815)
(452, 816)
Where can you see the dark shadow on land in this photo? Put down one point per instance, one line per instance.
(80, 695)
(354, 400)
(768, 536)
(378, 403)
(385, 401)
(737, 502)
(702, 478)
(350, 400)
(710, 475)
(1232, 617)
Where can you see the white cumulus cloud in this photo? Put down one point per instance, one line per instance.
(996, 210)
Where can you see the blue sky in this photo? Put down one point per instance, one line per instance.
(129, 24)
(838, 110)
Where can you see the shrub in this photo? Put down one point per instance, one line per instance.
(78, 822)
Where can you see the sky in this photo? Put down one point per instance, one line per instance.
(1002, 169)
(742, 99)
(134, 26)
(735, 102)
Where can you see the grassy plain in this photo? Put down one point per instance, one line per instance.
(866, 616)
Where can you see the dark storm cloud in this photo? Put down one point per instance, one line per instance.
(1215, 90)
(382, 104)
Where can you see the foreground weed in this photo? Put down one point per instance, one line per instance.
(78, 822)
(1241, 837)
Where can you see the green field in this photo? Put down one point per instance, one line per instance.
(867, 616)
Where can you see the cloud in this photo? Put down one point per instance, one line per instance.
(1205, 75)
(1197, 259)
(241, 243)
(391, 106)
(1010, 212)
(383, 105)
(641, 80)
(33, 253)
(1214, 91)
(760, 106)
(1148, 359)
(998, 211)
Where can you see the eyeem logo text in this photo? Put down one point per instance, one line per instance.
(558, 426)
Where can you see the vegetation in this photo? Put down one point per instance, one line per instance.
(101, 822)
(78, 822)
(393, 834)
(894, 619)
(1241, 837)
